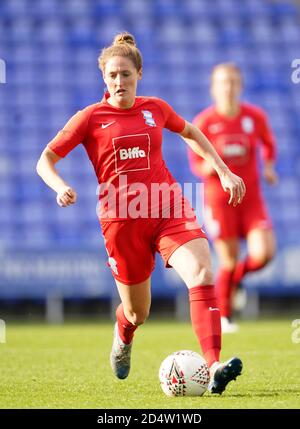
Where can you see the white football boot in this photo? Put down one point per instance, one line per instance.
(228, 327)
(120, 356)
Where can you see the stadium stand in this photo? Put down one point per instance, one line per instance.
(50, 49)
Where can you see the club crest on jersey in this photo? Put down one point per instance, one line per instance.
(247, 124)
(148, 118)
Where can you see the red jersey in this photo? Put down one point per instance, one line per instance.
(124, 146)
(236, 141)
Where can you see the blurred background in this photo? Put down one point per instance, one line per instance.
(52, 260)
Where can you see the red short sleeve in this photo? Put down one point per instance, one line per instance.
(173, 121)
(72, 134)
(201, 122)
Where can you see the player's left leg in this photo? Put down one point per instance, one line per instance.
(261, 247)
(192, 262)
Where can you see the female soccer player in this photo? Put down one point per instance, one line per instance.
(235, 128)
(122, 135)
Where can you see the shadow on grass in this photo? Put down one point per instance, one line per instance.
(263, 393)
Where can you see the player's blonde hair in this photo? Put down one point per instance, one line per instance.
(123, 46)
(227, 66)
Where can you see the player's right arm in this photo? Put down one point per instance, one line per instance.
(47, 171)
(73, 133)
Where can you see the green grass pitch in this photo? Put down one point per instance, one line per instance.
(67, 366)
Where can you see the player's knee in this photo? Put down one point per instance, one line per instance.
(264, 258)
(201, 275)
(229, 264)
(138, 317)
(268, 257)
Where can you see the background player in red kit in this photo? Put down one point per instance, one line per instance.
(235, 128)
(123, 136)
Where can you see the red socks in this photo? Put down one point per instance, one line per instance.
(126, 329)
(224, 291)
(227, 281)
(244, 267)
(205, 317)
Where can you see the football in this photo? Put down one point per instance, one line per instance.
(184, 373)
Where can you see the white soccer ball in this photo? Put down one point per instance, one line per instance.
(184, 373)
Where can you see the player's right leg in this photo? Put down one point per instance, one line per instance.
(132, 312)
(131, 259)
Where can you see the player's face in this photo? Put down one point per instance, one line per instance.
(121, 77)
(226, 85)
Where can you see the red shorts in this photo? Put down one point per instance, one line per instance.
(224, 221)
(131, 244)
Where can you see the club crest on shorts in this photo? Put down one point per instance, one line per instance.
(113, 264)
(148, 118)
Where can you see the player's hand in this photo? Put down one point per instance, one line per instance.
(234, 185)
(270, 175)
(66, 196)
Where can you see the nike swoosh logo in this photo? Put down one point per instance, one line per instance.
(107, 125)
(214, 309)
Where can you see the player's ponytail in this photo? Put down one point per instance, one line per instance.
(123, 45)
(124, 38)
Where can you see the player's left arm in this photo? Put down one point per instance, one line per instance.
(268, 149)
(231, 183)
(197, 141)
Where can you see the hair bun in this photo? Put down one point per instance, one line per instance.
(124, 38)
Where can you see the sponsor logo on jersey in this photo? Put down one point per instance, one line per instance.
(148, 118)
(234, 149)
(131, 153)
(247, 124)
